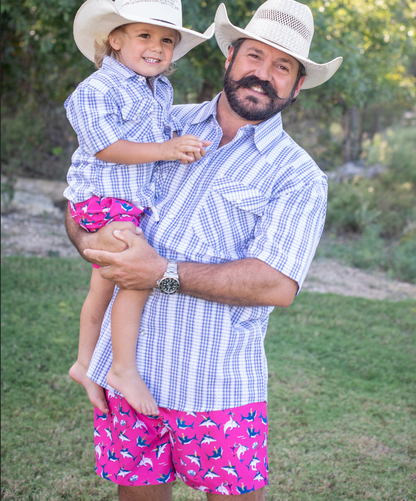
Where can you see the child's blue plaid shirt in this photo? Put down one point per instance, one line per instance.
(116, 103)
(260, 196)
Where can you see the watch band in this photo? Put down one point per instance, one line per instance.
(172, 269)
(169, 283)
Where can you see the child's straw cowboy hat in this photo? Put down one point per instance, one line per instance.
(96, 19)
(285, 25)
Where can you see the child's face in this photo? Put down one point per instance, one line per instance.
(145, 48)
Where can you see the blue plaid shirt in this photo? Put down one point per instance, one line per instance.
(260, 196)
(116, 103)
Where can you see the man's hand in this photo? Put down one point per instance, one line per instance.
(134, 264)
(138, 266)
(103, 239)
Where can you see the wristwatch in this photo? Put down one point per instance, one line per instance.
(169, 283)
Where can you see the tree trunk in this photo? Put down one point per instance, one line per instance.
(347, 137)
(207, 92)
(352, 134)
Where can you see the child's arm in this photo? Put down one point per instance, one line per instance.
(178, 148)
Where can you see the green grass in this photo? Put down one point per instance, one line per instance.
(342, 403)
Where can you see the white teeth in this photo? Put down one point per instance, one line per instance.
(151, 60)
(258, 89)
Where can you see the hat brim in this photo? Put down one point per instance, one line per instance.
(96, 19)
(226, 33)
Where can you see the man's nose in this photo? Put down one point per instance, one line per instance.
(263, 72)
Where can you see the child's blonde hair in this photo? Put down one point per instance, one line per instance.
(104, 48)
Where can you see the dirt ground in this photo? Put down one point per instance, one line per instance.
(46, 236)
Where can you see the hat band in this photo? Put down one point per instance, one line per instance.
(163, 21)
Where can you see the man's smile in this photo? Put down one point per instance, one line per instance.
(257, 89)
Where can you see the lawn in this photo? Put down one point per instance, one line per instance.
(342, 400)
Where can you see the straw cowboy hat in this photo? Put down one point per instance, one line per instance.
(285, 25)
(95, 20)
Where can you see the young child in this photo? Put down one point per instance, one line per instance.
(121, 116)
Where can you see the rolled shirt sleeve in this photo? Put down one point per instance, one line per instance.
(95, 117)
(287, 234)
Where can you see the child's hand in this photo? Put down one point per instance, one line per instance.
(186, 149)
(196, 155)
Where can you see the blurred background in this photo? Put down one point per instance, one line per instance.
(360, 127)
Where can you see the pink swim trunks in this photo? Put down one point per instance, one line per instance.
(96, 212)
(223, 452)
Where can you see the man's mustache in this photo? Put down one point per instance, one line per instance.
(253, 81)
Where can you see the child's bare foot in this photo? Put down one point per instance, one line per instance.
(95, 392)
(134, 390)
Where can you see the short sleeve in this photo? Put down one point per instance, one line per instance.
(95, 117)
(287, 234)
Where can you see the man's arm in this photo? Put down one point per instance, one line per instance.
(247, 282)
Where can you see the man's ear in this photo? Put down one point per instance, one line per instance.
(229, 58)
(298, 86)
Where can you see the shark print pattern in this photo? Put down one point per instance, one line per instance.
(96, 212)
(216, 451)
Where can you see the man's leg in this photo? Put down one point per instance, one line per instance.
(161, 492)
(258, 495)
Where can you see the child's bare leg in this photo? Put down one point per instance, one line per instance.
(92, 315)
(124, 376)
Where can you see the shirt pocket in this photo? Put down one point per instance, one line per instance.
(227, 218)
(134, 119)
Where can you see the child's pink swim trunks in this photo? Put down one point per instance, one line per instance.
(96, 212)
(223, 452)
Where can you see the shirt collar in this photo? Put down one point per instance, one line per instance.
(265, 135)
(122, 72)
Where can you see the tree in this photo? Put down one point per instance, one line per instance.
(39, 57)
(41, 64)
(377, 39)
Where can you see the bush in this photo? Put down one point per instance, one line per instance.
(397, 151)
(403, 259)
(36, 141)
(380, 214)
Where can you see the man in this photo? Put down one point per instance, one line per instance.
(237, 232)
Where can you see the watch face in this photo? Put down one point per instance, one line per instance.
(169, 285)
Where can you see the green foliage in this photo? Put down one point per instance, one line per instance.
(40, 66)
(39, 56)
(341, 400)
(41, 63)
(377, 40)
(403, 261)
(199, 74)
(389, 200)
(381, 211)
(396, 149)
(21, 138)
(36, 141)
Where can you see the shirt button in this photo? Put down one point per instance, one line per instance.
(143, 333)
(239, 201)
(171, 216)
(138, 114)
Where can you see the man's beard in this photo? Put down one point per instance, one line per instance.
(254, 113)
